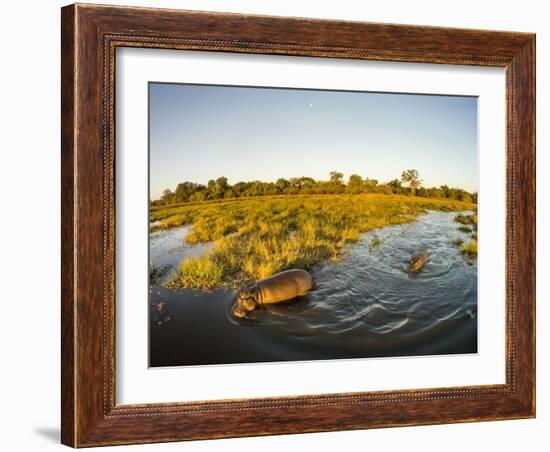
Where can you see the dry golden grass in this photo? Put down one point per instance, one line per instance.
(257, 237)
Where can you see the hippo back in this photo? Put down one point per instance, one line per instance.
(284, 286)
(417, 262)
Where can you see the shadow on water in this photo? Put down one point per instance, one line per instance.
(365, 305)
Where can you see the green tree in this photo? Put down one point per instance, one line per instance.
(336, 184)
(211, 189)
(184, 190)
(281, 184)
(411, 177)
(221, 189)
(466, 197)
(229, 194)
(336, 177)
(222, 185)
(422, 192)
(370, 185)
(167, 196)
(395, 185)
(355, 184)
(435, 193)
(384, 189)
(198, 196)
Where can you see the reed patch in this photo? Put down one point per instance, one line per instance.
(257, 237)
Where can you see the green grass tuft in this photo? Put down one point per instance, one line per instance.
(467, 219)
(469, 248)
(375, 241)
(200, 272)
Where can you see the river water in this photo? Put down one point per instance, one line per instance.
(364, 305)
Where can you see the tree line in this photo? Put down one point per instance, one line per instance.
(409, 184)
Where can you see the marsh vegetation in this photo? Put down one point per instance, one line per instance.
(254, 238)
(468, 226)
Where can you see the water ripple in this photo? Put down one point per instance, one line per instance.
(371, 290)
(367, 304)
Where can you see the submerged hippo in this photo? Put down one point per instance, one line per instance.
(417, 262)
(278, 288)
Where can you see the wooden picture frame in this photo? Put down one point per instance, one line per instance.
(90, 36)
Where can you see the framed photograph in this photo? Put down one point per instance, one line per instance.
(281, 225)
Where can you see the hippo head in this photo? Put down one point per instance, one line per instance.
(245, 303)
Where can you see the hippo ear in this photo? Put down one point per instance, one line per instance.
(249, 289)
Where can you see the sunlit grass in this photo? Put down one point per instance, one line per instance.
(469, 225)
(467, 219)
(469, 248)
(200, 272)
(257, 237)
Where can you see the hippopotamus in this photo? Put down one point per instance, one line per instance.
(281, 287)
(417, 262)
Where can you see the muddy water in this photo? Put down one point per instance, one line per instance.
(365, 305)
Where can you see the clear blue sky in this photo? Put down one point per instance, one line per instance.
(200, 132)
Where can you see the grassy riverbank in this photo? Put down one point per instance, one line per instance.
(469, 226)
(257, 237)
